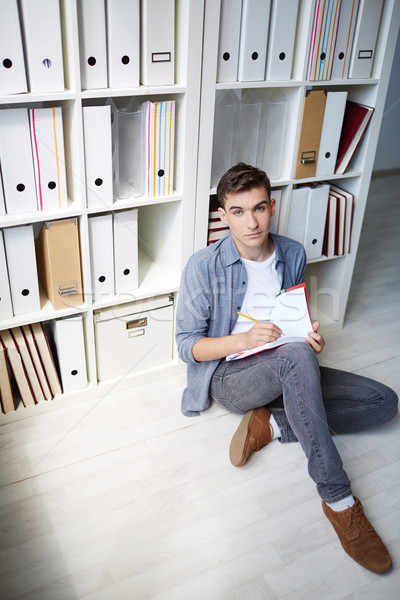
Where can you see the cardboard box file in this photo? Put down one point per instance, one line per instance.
(134, 336)
(59, 262)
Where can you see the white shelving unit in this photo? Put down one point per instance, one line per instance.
(328, 280)
(165, 223)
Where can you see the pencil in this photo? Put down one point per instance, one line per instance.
(247, 317)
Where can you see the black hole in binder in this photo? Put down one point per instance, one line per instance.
(314, 241)
(127, 271)
(323, 56)
(91, 61)
(327, 154)
(341, 55)
(102, 278)
(161, 172)
(74, 372)
(46, 62)
(25, 292)
(20, 187)
(51, 185)
(254, 56)
(282, 56)
(226, 56)
(98, 181)
(7, 63)
(125, 60)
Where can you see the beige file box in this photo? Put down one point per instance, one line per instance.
(134, 336)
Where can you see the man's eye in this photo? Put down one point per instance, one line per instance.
(260, 208)
(237, 212)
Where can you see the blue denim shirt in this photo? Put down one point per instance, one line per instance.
(212, 291)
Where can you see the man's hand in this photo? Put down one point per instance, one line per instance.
(260, 334)
(316, 340)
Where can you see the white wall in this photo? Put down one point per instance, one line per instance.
(388, 150)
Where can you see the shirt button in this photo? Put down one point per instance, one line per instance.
(243, 283)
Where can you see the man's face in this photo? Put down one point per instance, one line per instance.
(248, 215)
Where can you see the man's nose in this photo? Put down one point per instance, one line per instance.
(251, 221)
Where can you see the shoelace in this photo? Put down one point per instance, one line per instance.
(357, 520)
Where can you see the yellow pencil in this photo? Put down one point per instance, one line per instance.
(247, 317)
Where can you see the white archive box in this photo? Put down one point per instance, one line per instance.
(134, 336)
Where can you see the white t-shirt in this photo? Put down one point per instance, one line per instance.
(263, 286)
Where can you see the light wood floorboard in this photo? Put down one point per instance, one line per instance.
(122, 497)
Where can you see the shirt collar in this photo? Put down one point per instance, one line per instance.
(232, 255)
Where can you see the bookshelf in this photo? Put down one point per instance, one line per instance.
(172, 227)
(328, 279)
(165, 224)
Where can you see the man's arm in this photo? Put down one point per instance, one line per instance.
(207, 348)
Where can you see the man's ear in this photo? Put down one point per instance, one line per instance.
(222, 215)
(273, 206)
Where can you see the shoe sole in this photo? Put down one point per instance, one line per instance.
(237, 447)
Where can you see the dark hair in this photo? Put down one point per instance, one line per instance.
(239, 178)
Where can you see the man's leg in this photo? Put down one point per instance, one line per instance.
(293, 371)
(352, 403)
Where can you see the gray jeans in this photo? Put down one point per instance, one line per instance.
(310, 404)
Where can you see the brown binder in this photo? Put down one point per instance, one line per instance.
(310, 133)
(17, 367)
(6, 395)
(59, 262)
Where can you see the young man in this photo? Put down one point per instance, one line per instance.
(245, 272)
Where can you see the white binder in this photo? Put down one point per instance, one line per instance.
(297, 217)
(365, 37)
(330, 136)
(70, 352)
(344, 39)
(159, 147)
(6, 310)
(16, 161)
(315, 221)
(92, 44)
(12, 66)
(123, 43)
(229, 37)
(253, 40)
(22, 271)
(101, 255)
(98, 157)
(126, 251)
(48, 157)
(282, 33)
(326, 19)
(158, 42)
(43, 45)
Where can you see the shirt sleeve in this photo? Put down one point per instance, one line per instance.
(193, 311)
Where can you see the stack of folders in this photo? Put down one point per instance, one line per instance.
(27, 367)
(129, 151)
(216, 229)
(32, 160)
(343, 40)
(30, 47)
(113, 240)
(320, 218)
(256, 40)
(331, 129)
(126, 42)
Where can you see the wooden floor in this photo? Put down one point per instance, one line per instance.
(121, 497)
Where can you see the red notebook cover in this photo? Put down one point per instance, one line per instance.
(356, 119)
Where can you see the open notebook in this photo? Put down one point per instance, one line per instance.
(292, 315)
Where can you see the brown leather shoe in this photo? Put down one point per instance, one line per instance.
(358, 538)
(253, 433)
